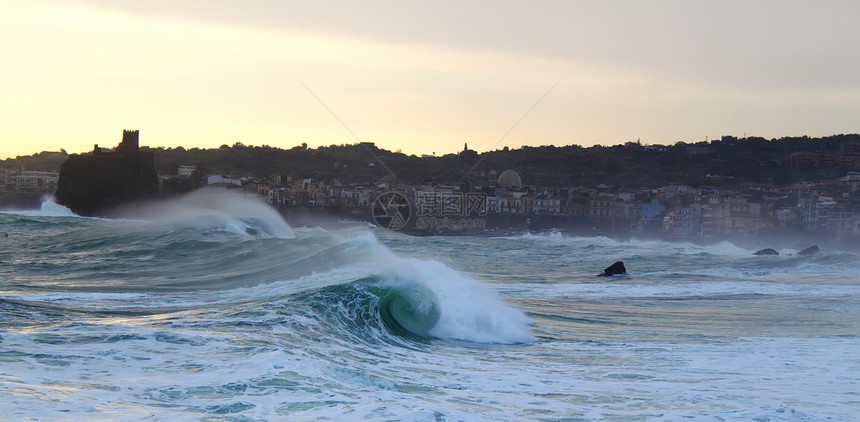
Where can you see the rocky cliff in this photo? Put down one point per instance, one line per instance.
(94, 184)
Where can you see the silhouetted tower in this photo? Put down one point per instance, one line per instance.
(130, 142)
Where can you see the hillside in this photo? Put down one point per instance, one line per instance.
(713, 163)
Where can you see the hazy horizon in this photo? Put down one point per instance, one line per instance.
(422, 79)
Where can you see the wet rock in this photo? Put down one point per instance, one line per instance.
(766, 251)
(812, 250)
(615, 269)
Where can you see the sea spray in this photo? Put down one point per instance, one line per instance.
(469, 311)
(48, 208)
(100, 318)
(164, 251)
(211, 207)
(633, 244)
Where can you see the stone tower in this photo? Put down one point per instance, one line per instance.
(130, 142)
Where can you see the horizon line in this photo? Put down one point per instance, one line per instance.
(433, 154)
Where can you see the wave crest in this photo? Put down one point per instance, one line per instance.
(211, 208)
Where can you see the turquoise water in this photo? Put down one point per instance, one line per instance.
(212, 308)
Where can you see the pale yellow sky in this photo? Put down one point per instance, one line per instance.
(422, 77)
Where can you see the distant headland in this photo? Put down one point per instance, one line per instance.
(738, 188)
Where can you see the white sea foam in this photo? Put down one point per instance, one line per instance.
(677, 290)
(49, 208)
(631, 246)
(256, 351)
(469, 310)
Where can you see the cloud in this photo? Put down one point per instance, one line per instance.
(765, 44)
(426, 76)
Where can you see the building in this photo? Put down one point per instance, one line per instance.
(187, 171)
(547, 203)
(4, 178)
(601, 205)
(509, 179)
(851, 181)
(29, 181)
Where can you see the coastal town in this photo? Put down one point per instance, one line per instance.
(828, 209)
(502, 200)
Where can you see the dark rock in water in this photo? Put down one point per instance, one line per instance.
(812, 250)
(766, 251)
(615, 269)
(93, 184)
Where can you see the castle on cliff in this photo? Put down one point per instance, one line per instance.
(94, 184)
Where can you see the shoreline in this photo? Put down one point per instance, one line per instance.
(778, 240)
(517, 225)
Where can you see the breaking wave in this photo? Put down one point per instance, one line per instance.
(217, 248)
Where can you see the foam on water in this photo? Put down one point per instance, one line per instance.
(468, 310)
(684, 289)
(49, 208)
(175, 320)
(725, 248)
(454, 306)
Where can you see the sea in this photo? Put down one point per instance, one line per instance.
(212, 308)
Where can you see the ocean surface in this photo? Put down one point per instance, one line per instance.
(213, 308)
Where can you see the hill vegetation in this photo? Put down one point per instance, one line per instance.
(725, 161)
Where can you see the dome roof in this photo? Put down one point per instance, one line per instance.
(510, 179)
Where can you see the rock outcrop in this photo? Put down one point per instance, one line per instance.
(93, 184)
(766, 251)
(615, 269)
(812, 250)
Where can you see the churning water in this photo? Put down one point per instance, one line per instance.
(212, 308)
